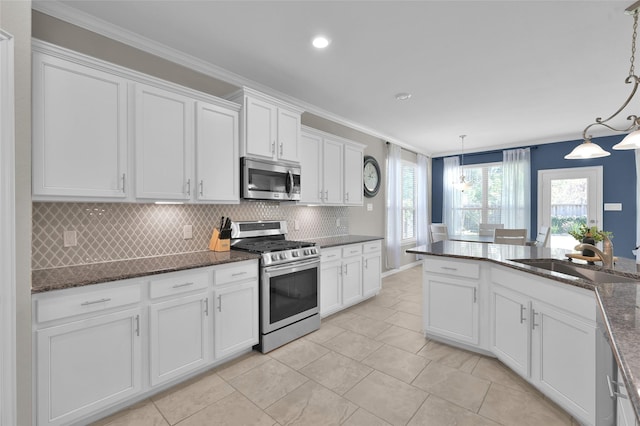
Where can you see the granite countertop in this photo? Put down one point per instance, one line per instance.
(342, 240)
(75, 276)
(618, 302)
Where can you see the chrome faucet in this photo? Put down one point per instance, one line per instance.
(606, 256)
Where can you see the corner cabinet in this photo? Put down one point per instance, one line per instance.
(270, 127)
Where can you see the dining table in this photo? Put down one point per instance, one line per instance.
(475, 238)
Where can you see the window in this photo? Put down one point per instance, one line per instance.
(408, 200)
(482, 202)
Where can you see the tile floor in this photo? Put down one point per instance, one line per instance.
(368, 365)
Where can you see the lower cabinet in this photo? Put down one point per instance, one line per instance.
(511, 339)
(371, 268)
(625, 414)
(235, 318)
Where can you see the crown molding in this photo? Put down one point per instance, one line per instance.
(83, 20)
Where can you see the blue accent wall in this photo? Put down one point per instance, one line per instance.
(619, 184)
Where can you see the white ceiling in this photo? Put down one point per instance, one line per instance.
(506, 73)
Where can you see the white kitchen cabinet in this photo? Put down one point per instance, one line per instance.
(80, 138)
(371, 267)
(270, 128)
(625, 414)
(331, 283)
(351, 274)
(216, 154)
(332, 171)
(353, 164)
(235, 318)
(164, 144)
(311, 177)
(451, 308)
(510, 329)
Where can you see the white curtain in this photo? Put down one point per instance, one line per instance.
(637, 204)
(516, 188)
(422, 200)
(451, 197)
(394, 206)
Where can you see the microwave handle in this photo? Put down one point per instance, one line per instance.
(289, 185)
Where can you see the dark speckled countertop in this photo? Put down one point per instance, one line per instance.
(619, 302)
(94, 273)
(342, 240)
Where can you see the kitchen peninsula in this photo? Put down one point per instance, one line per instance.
(482, 298)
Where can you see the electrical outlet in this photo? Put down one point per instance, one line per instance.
(296, 225)
(70, 238)
(338, 223)
(369, 207)
(187, 232)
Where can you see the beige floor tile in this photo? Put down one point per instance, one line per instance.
(353, 345)
(405, 320)
(141, 414)
(340, 317)
(267, 383)
(336, 372)
(186, 399)
(395, 362)
(364, 418)
(366, 326)
(242, 365)
(384, 299)
(311, 404)
(387, 397)
(403, 338)
(448, 355)
(508, 406)
(373, 311)
(438, 412)
(493, 370)
(298, 353)
(410, 307)
(324, 333)
(453, 385)
(233, 410)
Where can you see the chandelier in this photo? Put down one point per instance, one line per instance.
(462, 184)
(588, 149)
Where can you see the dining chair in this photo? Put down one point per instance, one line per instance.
(516, 237)
(487, 229)
(439, 232)
(542, 239)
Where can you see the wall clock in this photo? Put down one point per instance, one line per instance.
(371, 176)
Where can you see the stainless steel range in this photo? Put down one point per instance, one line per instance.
(289, 281)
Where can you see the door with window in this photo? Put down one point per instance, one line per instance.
(568, 198)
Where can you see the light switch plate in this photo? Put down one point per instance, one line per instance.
(613, 207)
(296, 225)
(369, 207)
(187, 232)
(70, 238)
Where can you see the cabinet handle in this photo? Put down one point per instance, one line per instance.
(93, 302)
(201, 187)
(346, 196)
(522, 309)
(448, 268)
(124, 176)
(273, 147)
(182, 285)
(220, 303)
(189, 187)
(475, 295)
(321, 195)
(206, 306)
(366, 263)
(533, 322)
(613, 394)
(346, 269)
(138, 325)
(280, 149)
(326, 195)
(237, 274)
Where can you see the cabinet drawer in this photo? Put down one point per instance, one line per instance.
(178, 283)
(352, 250)
(453, 268)
(235, 272)
(331, 254)
(371, 247)
(69, 303)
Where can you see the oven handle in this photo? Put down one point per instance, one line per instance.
(293, 266)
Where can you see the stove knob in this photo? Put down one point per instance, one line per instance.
(306, 251)
(295, 253)
(283, 256)
(274, 257)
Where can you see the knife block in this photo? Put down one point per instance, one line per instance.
(219, 242)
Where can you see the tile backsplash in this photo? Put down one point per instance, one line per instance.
(117, 231)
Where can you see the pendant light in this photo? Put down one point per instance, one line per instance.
(463, 184)
(588, 149)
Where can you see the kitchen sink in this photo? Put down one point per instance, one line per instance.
(564, 267)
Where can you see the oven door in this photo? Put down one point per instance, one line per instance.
(289, 293)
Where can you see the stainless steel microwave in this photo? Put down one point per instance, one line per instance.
(266, 180)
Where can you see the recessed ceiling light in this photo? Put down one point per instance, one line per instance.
(320, 42)
(404, 96)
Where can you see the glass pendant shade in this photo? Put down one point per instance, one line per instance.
(631, 141)
(585, 150)
(463, 184)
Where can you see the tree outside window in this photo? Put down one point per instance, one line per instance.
(408, 200)
(482, 202)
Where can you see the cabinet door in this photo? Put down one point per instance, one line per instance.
(371, 281)
(311, 169)
(353, 187)
(288, 135)
(217, 161)
(164, 144)
(563, 359)
(510, 329)
(79, 130)
(451, 308)
(261, 128)
(87, 365)
(179, 337)
(236, 318)
(625, 415)
(351, 280)
(330, 287)
(332, 162)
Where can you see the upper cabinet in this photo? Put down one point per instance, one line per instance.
(91, 119)
(80, 131)
(270, 128)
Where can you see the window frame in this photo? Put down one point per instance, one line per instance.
(485, 209)
(406, 163)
